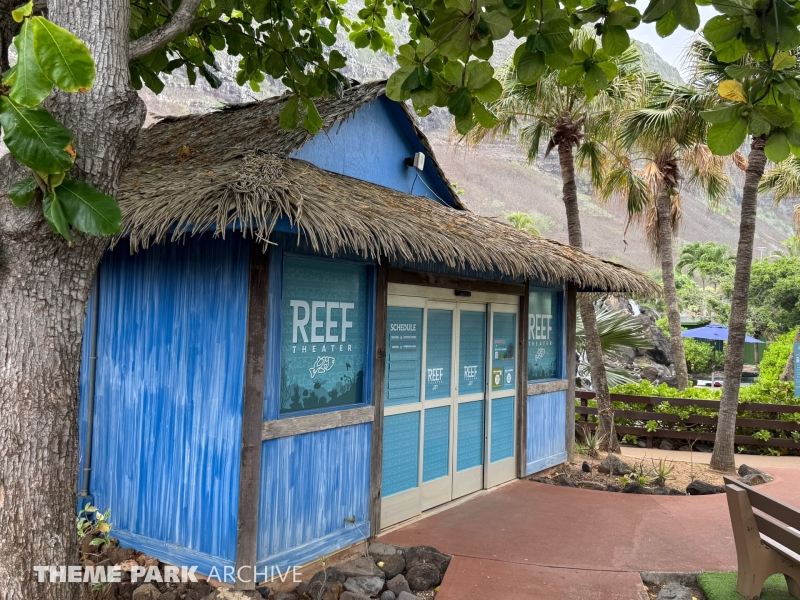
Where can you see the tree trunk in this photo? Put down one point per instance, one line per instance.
(605, 432)
(44, 287)
(723, 457)
(665, 232)
(788, 370)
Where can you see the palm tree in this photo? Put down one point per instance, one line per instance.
(524, 222)
(566, 118)
(708, 260)
(667, 134)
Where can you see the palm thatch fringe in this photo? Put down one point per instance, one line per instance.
(338, 214)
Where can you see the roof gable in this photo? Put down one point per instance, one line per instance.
(372, 145)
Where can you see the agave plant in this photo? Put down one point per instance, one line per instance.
(617, 330)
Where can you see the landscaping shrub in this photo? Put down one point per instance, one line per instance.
(775, 356)
(699, 355)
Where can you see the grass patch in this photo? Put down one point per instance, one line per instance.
(722, 586)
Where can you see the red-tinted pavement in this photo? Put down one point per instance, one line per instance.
(570, 543)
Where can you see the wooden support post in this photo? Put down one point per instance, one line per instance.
(572, 319)
(379, 372)
(252, 418)
(649, 438)
(522, 384)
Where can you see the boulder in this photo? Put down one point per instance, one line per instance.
(661, 352)
(360, 567)
(391, 564)
(754, 479)
(665, 491)
(118, 555)
(685, 448)
(265, 592)
(198, 590)
(612, 465)
(170, 595)
(353, 596)
(704, 448)
(229, 594)
(407, 596)
(665, 445)
(366, 586)
(387, 595)
(285, 596)
(146, 592)
(675, 591)
(585, 467)
(425, 554)
(398, 585)
(328, 584)
(701, 488)
(383, 549)
(634, 487)
(563, 480)
(423, 576)
(745, 471)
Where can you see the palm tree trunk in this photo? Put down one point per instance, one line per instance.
(788, 370)
(723, 457)
(605, 432)
(665, 232)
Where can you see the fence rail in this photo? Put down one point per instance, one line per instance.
(584, 411)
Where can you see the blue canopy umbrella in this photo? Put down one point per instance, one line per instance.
(715, 332)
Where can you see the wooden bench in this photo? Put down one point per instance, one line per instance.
(767, 537)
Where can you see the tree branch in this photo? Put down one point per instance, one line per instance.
(179, 24)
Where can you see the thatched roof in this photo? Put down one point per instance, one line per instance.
(230, 168)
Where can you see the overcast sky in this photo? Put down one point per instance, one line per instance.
(670, 48)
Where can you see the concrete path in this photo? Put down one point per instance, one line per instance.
(532, 540)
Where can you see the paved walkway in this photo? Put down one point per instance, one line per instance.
(530, 540)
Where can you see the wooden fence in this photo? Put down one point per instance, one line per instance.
(584, 410)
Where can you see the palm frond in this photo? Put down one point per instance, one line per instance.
(707, 172)
(590, 156)
(783, 180)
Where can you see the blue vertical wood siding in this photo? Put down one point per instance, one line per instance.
(169, 397)
(438, 354)
(546, 444)
(502, 445)
(403, 356)
(312, 487)
(436, 444)
(470, 435)
(400, 453)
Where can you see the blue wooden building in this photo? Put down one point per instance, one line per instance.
(298, 341)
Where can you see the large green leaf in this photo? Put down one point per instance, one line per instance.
(657, 9)
(667, 24)
(490, 92)
(54, 215)
(777, 148)
(22, 192)
(31, 85)
(727, 138)
(722, 28)
(594, 80)
(530, 67)
(498, 24)
(290, 114)
(484, 116)
(479, 73)
(460, 103)
(395, 89)
(89, 210)
(616, 40)
(723, 113)
(64, 58)
(686, 13)
(35, 138)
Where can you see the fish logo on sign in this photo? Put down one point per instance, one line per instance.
(323, 365)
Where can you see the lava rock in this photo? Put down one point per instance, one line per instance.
(641, 444)
(586, 468)
(391, 564)
(612, 465)
(675, 591)
(118, 555)
(754, 479)
(360, 567)
(665, 445)
(284, 596)
(701, 488)
(425, 554)
(398, 585)
(168, 596)
(665, 491)
(353, 596)
(367, 586)
(423, 576)
(377, 548)
(704, 448)
(612, 488)
(745, 472)
(327, 584)
(198, 590)
(540, 480)
(387, 595)
(407, 596)
(685, 448)
(634, 487)
(265, 591)
(146, 592)
(564, 481)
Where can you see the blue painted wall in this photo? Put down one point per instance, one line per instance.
(169, 397)
(372, 146)
(311, 486)
(546, 444)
